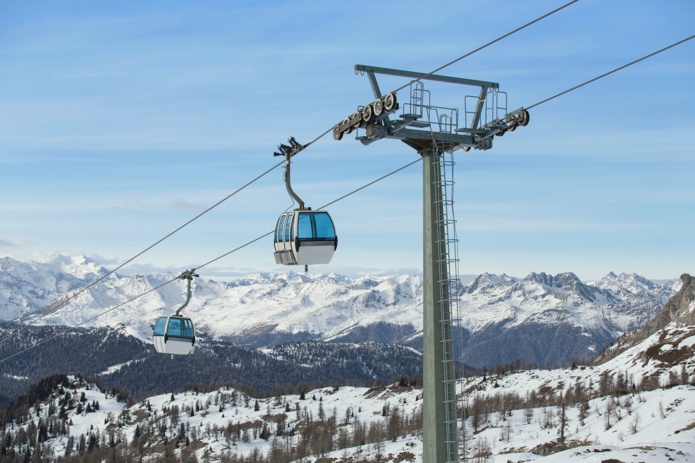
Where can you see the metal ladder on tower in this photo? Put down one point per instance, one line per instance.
(448, 288)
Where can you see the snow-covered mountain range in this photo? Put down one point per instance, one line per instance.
(266, 309)
(635, 407)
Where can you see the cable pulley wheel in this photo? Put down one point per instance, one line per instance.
(367, 114)
(378, 106)
(524, 118)
(357, 118)
(390, 101)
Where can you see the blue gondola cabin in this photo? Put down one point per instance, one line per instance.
(174, 335)
(305, 237)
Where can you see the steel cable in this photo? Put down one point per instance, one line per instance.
(68, 329)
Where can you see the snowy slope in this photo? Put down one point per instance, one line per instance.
(655, 426)
(637, 407)
(30, 287)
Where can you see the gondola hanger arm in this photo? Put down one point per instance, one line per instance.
(187, 275)
(289, 151)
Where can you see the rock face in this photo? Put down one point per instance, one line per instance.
(676, 318)
(679, 308)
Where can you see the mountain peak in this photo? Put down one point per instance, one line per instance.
(542, 278)
(79, 266)
(488, 280)
(565, 280)
(627, 281)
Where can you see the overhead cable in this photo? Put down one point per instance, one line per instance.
(84, 322)
(609, 72)
(487, 45)
(328, 204)
(68, 329)
(78, 293)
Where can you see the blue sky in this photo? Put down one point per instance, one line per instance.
(123, 120)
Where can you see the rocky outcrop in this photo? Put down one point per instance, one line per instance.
(678, 312)
(679, 309)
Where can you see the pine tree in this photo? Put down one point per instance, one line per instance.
(182, 431)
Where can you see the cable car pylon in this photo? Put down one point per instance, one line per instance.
(432, 131)
(302, 237)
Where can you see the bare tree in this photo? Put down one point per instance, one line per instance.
(563, 421)
(528, 415)
(583, 412)
(634, 423)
